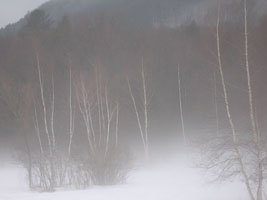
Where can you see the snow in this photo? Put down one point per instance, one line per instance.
(173, 180)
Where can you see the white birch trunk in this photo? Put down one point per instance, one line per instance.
(71, 122)
(251, 108)
(52, 116)
(143, 127)
(43, 104)
(145, 109)
(181, 106)
(216, 105)
(37, 129)
(137, 115)
(230, 119)
(117, 125)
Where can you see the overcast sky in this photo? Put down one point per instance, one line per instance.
(12, 10)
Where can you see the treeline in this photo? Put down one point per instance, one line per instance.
(66, 100)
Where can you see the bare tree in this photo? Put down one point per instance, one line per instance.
(238, 155)
(117, 124)
(142, 114)
(230, 119)
(181, 106)
(41, 84)
(256, 135)
(106, 162)
(71, 111)
(49, 171)
(216, 104)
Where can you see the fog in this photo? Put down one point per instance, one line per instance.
(173, 179)
(134, 100)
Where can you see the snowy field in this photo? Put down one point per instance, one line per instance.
(173, 180)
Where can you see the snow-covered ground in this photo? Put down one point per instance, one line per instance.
(173, 180)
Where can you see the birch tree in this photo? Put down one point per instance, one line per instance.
(107, 163)
(48, 126)
(238, 155)
(142, 114)
(181, 106)
(216, 103)
(71, 111)
(256, 135)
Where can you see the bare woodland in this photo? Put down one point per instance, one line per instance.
(85, 92)
(234, 154)
(104, 162)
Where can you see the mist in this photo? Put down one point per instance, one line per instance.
(134, 100)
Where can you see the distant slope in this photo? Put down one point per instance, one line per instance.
(170, 12)
(150, 12)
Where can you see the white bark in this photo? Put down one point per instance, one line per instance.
(117, 125)
(49, 130)
(108, 120)
(71, 122)
(137, 114)
(143, 127)
(216, 104)
(52, 115)
(98, 116)
(181, 106)
(230, 119)
(43, 104)
(251, 109)
(145, 107)
(99, 104)
(84, 106)
(37, 129)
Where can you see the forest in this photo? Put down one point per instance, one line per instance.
(83, 97)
